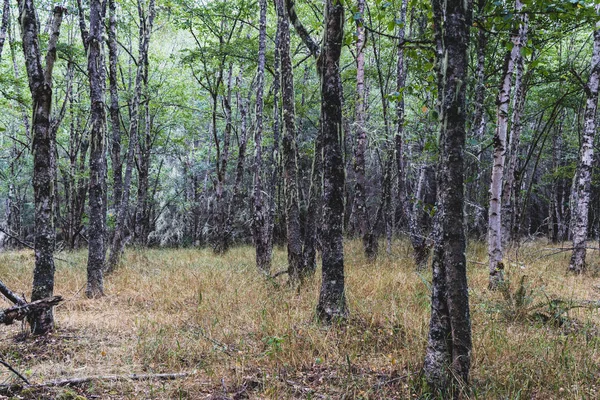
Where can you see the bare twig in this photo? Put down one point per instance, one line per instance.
(7, 233)
(14, 371)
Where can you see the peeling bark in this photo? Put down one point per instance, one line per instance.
(586, 158)
(495, 250)
(509, 191)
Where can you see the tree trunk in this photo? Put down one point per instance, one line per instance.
(142, 215)
(362, 215)
(97, 183)
(261, 220)
(509, 190)
(332, 297)
(448, 357)
(4, 24)
(314, 214)
(117, 165)
(419, 217)
(290, 152)
(495, 251)
(584, 168)
(120, 236)
(40, 85)
(222, 230)
(236, 206)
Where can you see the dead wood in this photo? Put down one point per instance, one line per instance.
(21, 311)
(12, 296)
(114, 378)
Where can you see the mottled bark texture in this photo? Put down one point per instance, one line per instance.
(120, 236)
(260, 218)
(586, 159)
(97, 183)
(115, 151)
(332, 297)
(289, 150)
(40, 85)
(495, 251)
(448, 357)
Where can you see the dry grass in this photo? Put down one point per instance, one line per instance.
(188, 310)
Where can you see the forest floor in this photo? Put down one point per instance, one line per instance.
(240, 336)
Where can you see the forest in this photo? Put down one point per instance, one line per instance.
(299, 199)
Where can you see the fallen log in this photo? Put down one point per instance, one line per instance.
(21, 311)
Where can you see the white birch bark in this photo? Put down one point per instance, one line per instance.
(495, 250)
(586, 157)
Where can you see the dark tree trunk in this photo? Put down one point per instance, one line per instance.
(448, 357)
(117, 165)
(97, 183)
(290, 152)
(419, 221)
(332, 297)
(221, 241)
(274, 211)
(261, 220)
(314, 211)
(40, 85)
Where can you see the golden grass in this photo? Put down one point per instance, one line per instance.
(189, 310)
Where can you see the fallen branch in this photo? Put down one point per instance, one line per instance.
(20, 312)
(14, 371)
(285, 271)
(19, 240)
(12, 296)
(114, 378)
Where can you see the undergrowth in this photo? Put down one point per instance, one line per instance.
(242, 336)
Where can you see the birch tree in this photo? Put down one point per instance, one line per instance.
(586, 158)
(495, 250)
